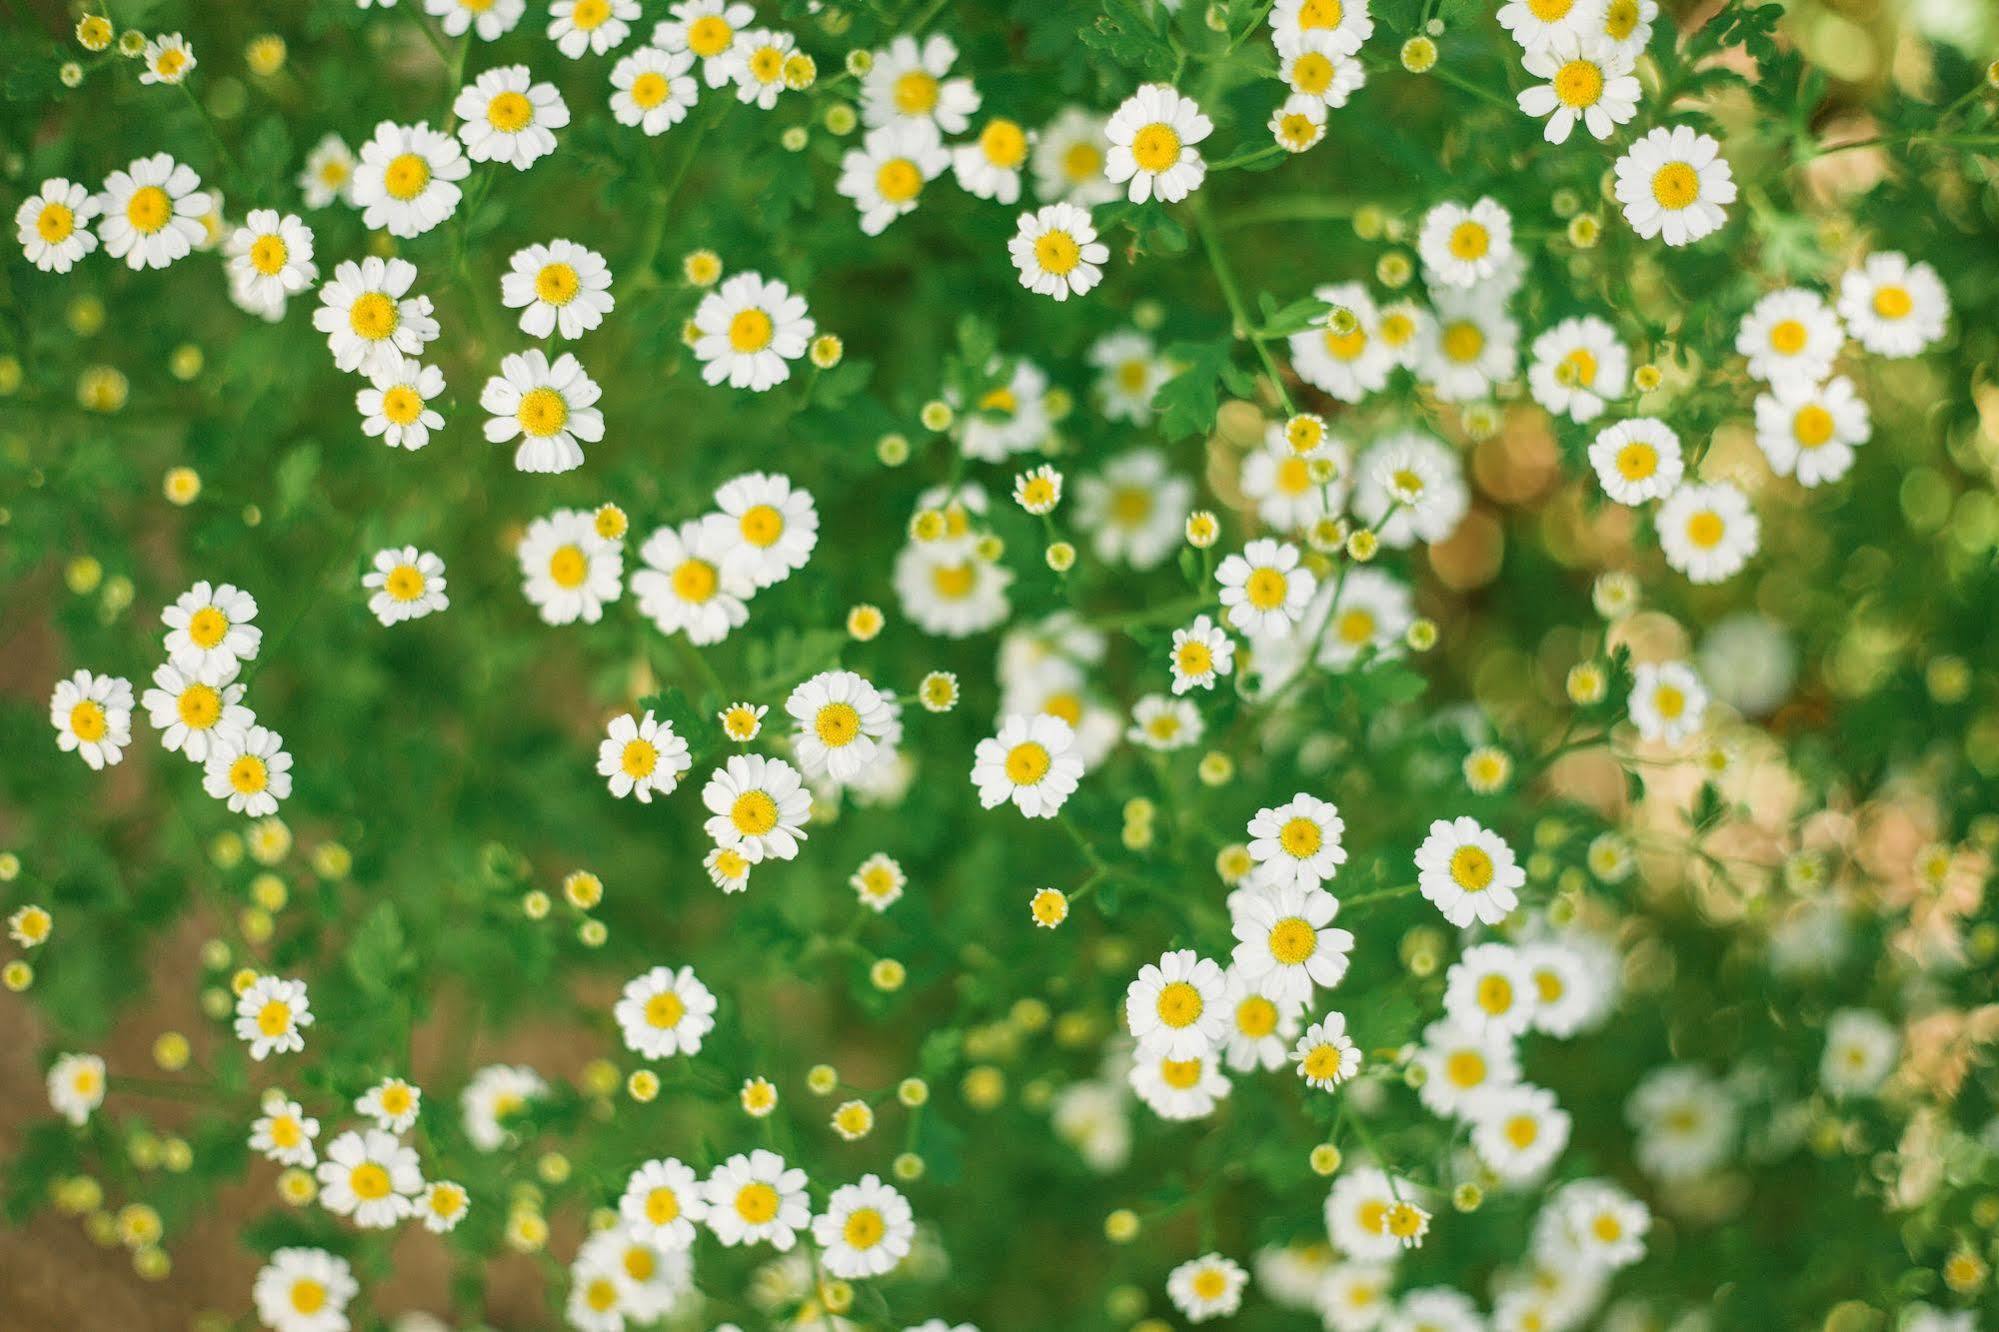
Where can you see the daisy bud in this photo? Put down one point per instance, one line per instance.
(1586, 684)
(1615, 595)
(794, 139)
(864, 622)
(1342, 321)
(17, 976)
(10, 867)
(1061, 556)
(860, 61)
(837, 1296)
(583, 890)
(1137, 836)
(701, 268)
(1481, 420)
(642, 1086)
(1419, 55)
(1322, 471)
(1325, 1159)
(1585, 230)
(1203, 529)
(1369, 222)
(592, 933)
(1058, 403)
(1421, 635)
(255, 925)
(984, 1087)
(102, 1228)
(610, 522)
(93, 32)
(83, 574)
(553, 1167)
(989, 547)
(70, 74)
(1394, 270)
(908, 1167)
(527, 1230)
(892, 450)
(888, 975)
(600, 1077)
(131, 43)
(152, 1264)
(1232, 862)
(1646, 378)
(938, 691)
(1217, 18)
(217, 1003)
(840, 119)
(535, 904)
(1992, 74)
(927, 525)
(801, 71)
(821, 1079)
(1467, 1197)
(827, 350)
(1326, 535)
(1121, 1226)
(936, 415)
(265, 54)
(269, 891)
(1216, 768)
(1049, 907)
(1363, 545)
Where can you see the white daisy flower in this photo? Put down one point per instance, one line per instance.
(1357, 1211)
(1668, 701)
(1206, 1287)
(1686, 1122)
(560, 286)
(1130, 370)
(504, 116)
(1410, 488)
(1317, 64)
(989, 166)
(270, 258)
(706, 29)
(1286, 946)
(1892, 307)
(1038, 490)
(687, 584)
(169, 59)
(885, 176)
(1297, 844)
(1488, 990)
(1349, 365)
(908, 82)
(1790, 336)
(1460, 1062)
(1637, 461)
(1600, 1223)
(270, 1016)
(192, 709)
(1568, 993)
(1708, 532)
(1534, 23)
(653, 89)
(865, 1231)
(759, 807)
(663, 1013)
(1468, 872)
(1345, 21)
(1405, 329)
(442, 1205)
(842, 721)
(1281, 480)
(1069, 157)
(76, 1086)
(1373, 611)
(569, 569)
(371, 1177)
(1354, 1297)
(1577, 364)
(1179, 1089)
(1473, 345)
(1463, 246)
(749, 328)
(53, 225)
(209, 629)
(1177, 1007)
(1057, 251)
(947, 588)
(392, 1103)
(662, 1201)
(878, 882)
(284, 1132)
(1032, 762)
(1326, 1056)
(150, 214)
(1260, 1029)
(329, 172)
(1810, 430)
(770, 527)
(728, 869)
(249, 770)
(406, 182)
(1517, 1131)
(408, 584)
(1264, 590)
(641, 757)
(1673, 184)
(396, 405)
(489, 20)
(596, 26)
(493, 1098)
(371, 322)
(1589, 78)
(549, 407)
(755, 63)
(757, 1199)
(1164, 724)
(1152, 137)
(92, 714)
(1201, 653)
(1861, 1047)
(304, 1290)
(1008, 418)
(1299, 123)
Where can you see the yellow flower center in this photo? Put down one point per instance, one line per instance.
(568, 566)
(590, 14)
(1193, 658)
(285, 1131)
(639, 759)
(1256, 1017)
(1003, 143)
(1027, 763)
(395, 1100)
(1209, 1284)
(1266, 589)
(1373, 1216)
(754, 813)
(199, 707)
(1463, 341)
(268, 254)
(274, 1018)
(406, 176)
(1320, 14)
(1669, 702)
(1179, 1004)
(1812, 426)
(1180, 1074)
(898, 181)
(709, 36)
(953, 581)
(372, 316)
(695, 580)
(1548, 986)
(1301, 837)
(369, 1181)
(510, 112)
(837, 725)
(915, 93)
(1620, 20)
(1522, 1130)
(248, 774)
(88, 722)
(148, 209)
(1312, 73)
(556, 284)
(1470, 240)
(767, 64)
(1494, 994)
(1578, 368)
(756, 1203)
(308, 1296)
(864, 1228)
(1550, 11)
(1787, 336)
(1607, 1228)
(601, 1295)
(1705, 529)
(1293, 941)
(1294, 476)
(1082, 162)
(1155, 147)
(1322, 1061)
(662, 1206)
(1356, 627)
(665, 1010)
(1471, 869)
(1464, 1068)
(649, 90)
(1675, 185)
(750, 331)
(1346, 346)
(1057, 253)
(542, 412)
(1891, 302)
(402, 404)
(1579, 83)
(1636, 461)
(55, 223)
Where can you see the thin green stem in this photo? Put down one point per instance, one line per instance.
(1244, 329)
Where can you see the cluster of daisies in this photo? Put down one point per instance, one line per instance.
(196, 703)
